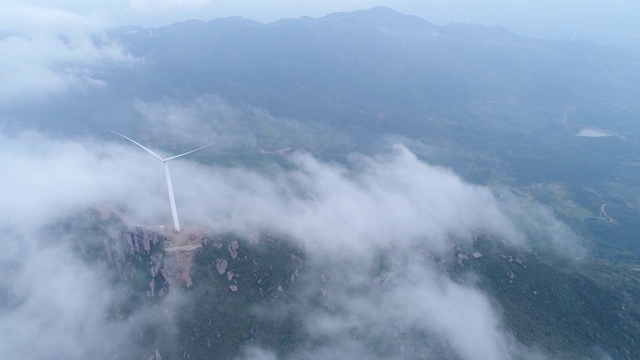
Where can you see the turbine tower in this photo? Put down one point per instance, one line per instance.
(167, 175)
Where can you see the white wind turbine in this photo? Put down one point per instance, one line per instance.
(165, 169)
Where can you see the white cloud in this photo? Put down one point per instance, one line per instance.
(416, 299)
(54, 304)
(49, 180)
(210, 118)
(203, 120)
(47, 51)
(345, 217)
(393, 198)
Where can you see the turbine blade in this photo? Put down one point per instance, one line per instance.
(188, 152)
(133, 141)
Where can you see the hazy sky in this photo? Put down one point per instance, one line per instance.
(601, 20)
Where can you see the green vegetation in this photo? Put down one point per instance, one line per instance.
(572, 308)
(217, 322)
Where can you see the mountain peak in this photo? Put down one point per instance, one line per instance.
(380, 16)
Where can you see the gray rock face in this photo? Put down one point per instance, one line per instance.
(140, 240)
(129, 240)
(165, 276)
(221, 266)
(152, 287)
(156, 264)
(119, 248)
(154, 355)
(233, 249)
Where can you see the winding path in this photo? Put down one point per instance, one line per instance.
(604, 213)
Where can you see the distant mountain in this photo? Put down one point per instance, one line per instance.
(488, 98)
(483, 95)
(343, 68)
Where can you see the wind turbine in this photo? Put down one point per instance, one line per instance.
(165, 169)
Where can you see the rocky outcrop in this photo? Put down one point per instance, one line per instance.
(140, 240)
(134, 247)
(154, 355)
(233, 249)
(221, 266)
(116, 249)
